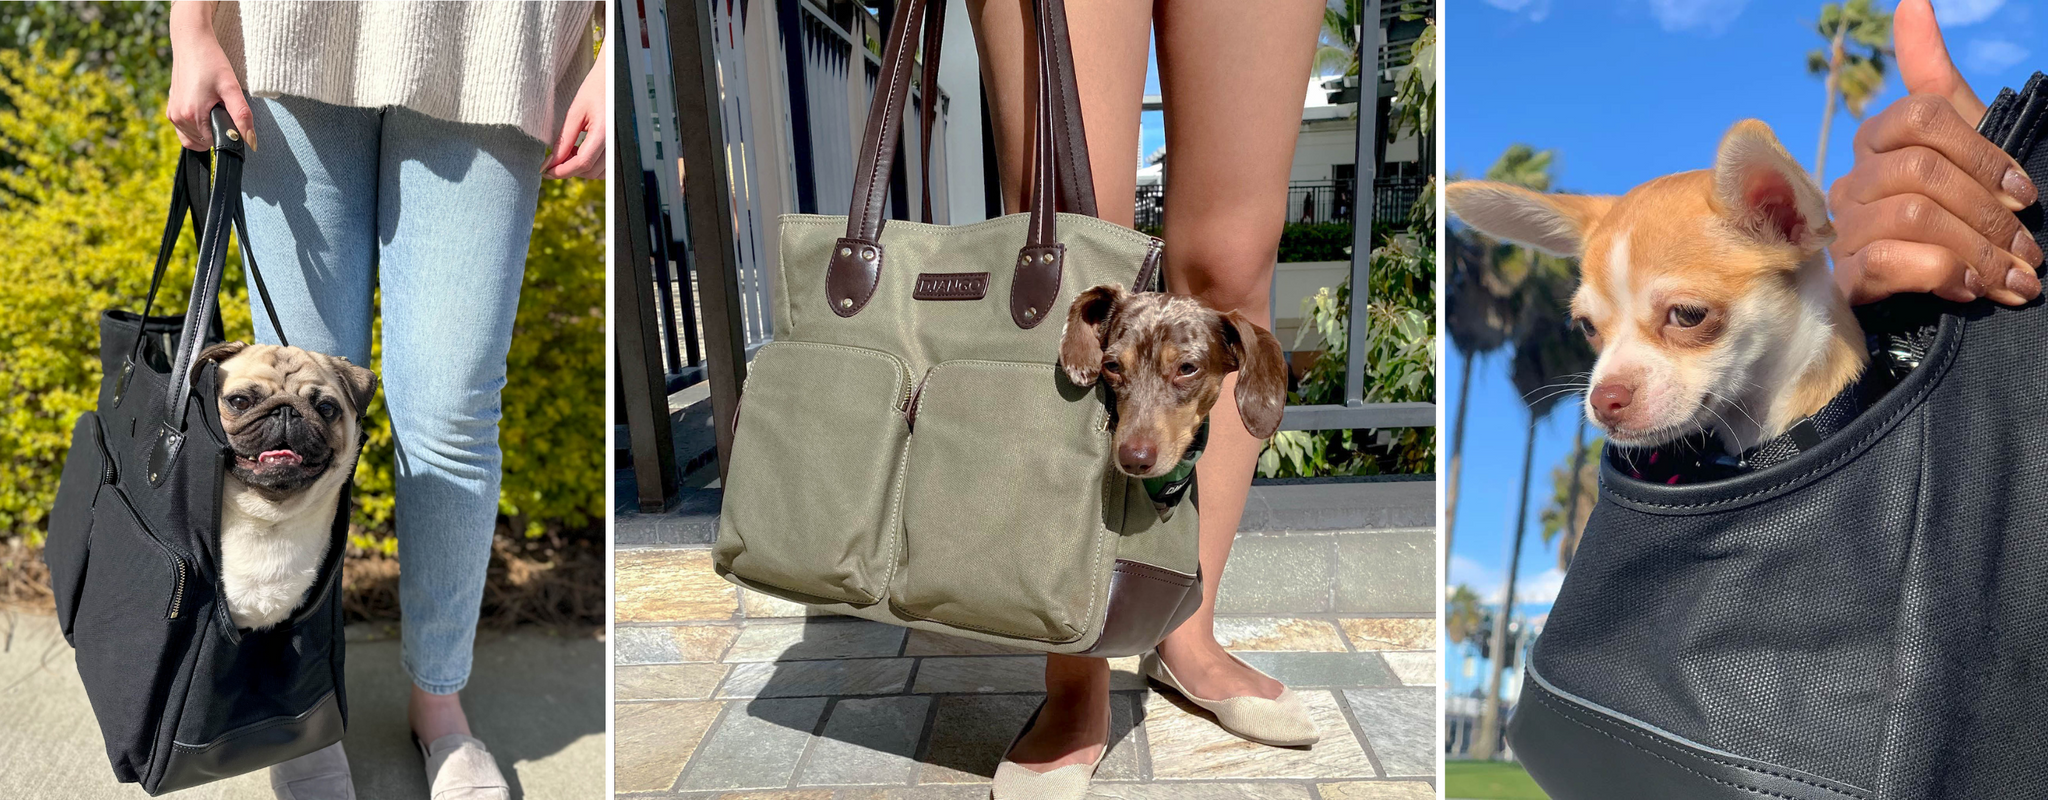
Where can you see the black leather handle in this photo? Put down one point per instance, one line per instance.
(223, 209)
(1060, 162)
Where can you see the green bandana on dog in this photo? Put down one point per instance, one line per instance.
(1168, 490)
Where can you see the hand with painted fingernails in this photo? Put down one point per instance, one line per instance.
(1931, 205)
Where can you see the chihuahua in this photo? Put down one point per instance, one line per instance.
(1164, 358)
(1706, 294)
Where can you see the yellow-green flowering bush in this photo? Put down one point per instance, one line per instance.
(82, 215)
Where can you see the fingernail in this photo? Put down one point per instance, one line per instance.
(2019, 186)
(2024, 246)
(1973, 283)
(2023, 281)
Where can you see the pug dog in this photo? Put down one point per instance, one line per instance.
(293, 419)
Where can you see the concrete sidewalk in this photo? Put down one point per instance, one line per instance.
(537, 701)
(724, 694)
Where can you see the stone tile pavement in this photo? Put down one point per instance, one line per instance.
(724, 693)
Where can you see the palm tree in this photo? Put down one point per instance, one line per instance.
(1337, 44)
(1547, 355)
(1852, 76)
(1479, 310)
(1574, 492)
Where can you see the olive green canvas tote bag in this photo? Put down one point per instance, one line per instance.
(908, 451)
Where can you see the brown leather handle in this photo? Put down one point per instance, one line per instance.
(1059, 149)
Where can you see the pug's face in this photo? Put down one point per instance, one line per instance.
(290, 414)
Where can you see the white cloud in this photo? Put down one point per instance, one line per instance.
(1535, 10)
(1486, 582)
(1710, 16)
(1540, 589)
(1992, 55)
(1957, 13)
(1482, 580)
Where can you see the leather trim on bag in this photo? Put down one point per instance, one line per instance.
(1037, 283)
(253, 747)
(950, 286)
(1149, 276)
(1141, 593)
(1577, 750)
(851, 276)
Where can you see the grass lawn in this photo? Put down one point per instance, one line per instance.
(1489, 780)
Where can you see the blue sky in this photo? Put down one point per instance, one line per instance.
(1624, 91)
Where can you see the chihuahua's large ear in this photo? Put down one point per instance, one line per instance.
(1261, 374)
(217, 353)
(360, 381)
(1087, 321)
(1765, 195)
(1553, 223)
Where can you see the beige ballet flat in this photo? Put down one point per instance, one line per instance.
(1015, 781)
(459, 768)
(319, 775)
(1281, 722)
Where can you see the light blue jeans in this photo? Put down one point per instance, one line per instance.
(343, 201)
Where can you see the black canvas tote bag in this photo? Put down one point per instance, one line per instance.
(181, 695)
(1865, 619)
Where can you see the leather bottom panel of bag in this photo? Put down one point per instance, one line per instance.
(1558, 737)
(272, 741)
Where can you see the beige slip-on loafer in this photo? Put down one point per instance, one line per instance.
(1015, 781)
(319, 775)
(460, 768)
(1281, 722)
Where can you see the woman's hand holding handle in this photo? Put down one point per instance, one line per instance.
(201, 78)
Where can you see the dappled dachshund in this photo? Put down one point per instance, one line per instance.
(1164, 358)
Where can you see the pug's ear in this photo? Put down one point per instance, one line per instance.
(216, 354)
(360, 382)
(1087, 321)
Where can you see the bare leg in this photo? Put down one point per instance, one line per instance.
(1109, 41)
(1231, 124)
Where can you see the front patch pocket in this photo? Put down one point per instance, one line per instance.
(1003, 528)
(811, 498)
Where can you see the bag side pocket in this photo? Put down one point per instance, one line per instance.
(132, 626)
(811, 497)
(87, 468)
(1004, 529)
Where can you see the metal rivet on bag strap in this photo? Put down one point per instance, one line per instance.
(1024, 260)
(1030, 313)
(234, 136)
(846, 251)
(867, 254)
(1047, 258)
(845, 302)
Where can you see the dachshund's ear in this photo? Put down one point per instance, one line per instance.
(1087, 322)
(1261, 374)
(217, 353)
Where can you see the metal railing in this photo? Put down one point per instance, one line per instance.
(690, 292)
(1309, 202)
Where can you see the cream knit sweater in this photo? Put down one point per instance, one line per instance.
(489, 63)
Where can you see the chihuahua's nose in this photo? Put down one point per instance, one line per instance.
(1137, 457)
(1609, 400)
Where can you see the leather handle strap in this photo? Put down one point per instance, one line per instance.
(223, 210)
(1059, 159)
(928, 102)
